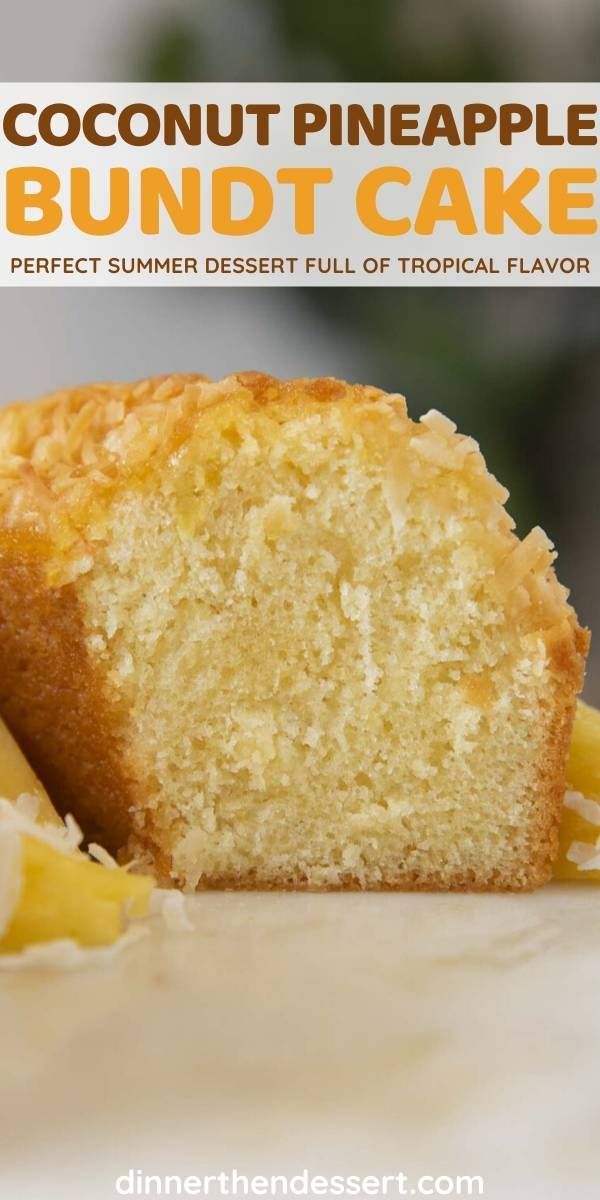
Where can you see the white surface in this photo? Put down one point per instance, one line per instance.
(342, 1033)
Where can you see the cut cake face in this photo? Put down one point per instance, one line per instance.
(277, 635)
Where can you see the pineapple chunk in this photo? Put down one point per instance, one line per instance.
(580, 826)
(583, 771)
(52, 889)
(17, 777)
(70, 897)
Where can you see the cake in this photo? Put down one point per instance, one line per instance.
(264, 634)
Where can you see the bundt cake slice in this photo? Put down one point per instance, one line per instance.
(263, 634)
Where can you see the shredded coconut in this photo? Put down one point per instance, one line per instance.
(99, 854)
(17, 818)
(588, 809)
(28, 805)
(172, 908)
(585, 855)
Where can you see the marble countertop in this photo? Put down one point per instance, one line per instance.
(337, 1033)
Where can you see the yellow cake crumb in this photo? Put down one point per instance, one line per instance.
(280, 635)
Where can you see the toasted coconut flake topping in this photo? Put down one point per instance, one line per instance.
(534, 555)
(438, 422)
(61, 456)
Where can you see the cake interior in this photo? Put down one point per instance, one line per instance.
(322, 688)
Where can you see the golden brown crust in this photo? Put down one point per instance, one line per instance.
(568, 646)
(60, 455)
(53, 701)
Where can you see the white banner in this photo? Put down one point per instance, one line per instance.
(286, 185)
